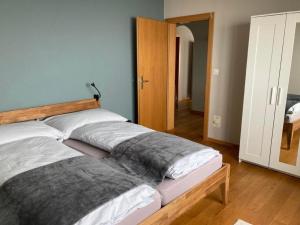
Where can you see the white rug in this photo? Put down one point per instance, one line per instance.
(241, 222)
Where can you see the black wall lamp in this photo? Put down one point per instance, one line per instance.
(97, 96)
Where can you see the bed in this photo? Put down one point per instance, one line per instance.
(169, 189)
(170, 210)
(42, 181)
(292, 117)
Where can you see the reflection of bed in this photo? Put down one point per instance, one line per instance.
(292, 117)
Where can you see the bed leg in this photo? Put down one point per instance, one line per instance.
(290, 134)
(225, 187)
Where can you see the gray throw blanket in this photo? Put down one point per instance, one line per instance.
(149, 156)
(61, 193)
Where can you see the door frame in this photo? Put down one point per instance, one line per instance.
(177, 71)
(210, 17)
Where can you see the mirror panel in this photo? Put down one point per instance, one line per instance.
(291, 128)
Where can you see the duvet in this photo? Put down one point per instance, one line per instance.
(44, 182)
(169, 155)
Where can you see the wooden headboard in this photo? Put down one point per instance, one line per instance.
(41, 112)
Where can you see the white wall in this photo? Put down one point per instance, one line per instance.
(229, 54)
(200, 32)
(294, 83)
(185, 57)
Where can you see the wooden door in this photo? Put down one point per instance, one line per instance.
(153, 61)
(263, 66)
(285, 151)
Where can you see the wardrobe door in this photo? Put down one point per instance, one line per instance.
(285, 154)
(264, 57)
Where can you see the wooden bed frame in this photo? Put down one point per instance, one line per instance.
(168, 213)
(291, 128)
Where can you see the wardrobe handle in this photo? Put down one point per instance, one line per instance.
(279, 96)
(273, 96)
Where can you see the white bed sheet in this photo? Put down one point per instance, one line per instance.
(27, 154)
(107, 135)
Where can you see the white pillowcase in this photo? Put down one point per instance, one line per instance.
(18, 131)
(294, 109)
(68, 122)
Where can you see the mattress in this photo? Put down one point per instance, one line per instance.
(169, 188)
(86, 148)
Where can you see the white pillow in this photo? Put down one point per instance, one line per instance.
(66, 123)
(17, 131)
(294, 109)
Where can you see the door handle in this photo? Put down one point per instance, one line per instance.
(273, 96)
(279, 96)
(142, 81)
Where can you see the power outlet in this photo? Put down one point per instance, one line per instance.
(216, 72)
(217, 121)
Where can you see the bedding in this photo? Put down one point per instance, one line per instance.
(66, 123)
(183, 156)
(290, 118)
(20, 156)
(141, 214)
(291, 101)
(18, 131)
(66, 188)
(154, 156)
(292, 110)
(169, 188)
(107, 135)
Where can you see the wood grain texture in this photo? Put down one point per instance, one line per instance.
(171, 76)
(289, 151)
(223, 143)
(191, 18)
(210, 18)
(188, 124)
(211, 23)
(290, 128)
(257, 195)
(152, 66)
(177, 207)
(40, 112)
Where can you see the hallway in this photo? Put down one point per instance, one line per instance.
(188, 124)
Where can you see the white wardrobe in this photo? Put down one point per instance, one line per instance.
(271, 112)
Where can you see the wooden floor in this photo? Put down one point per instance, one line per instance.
(257, 195)
(289, 156)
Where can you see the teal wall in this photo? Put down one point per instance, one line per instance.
(50, 49)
